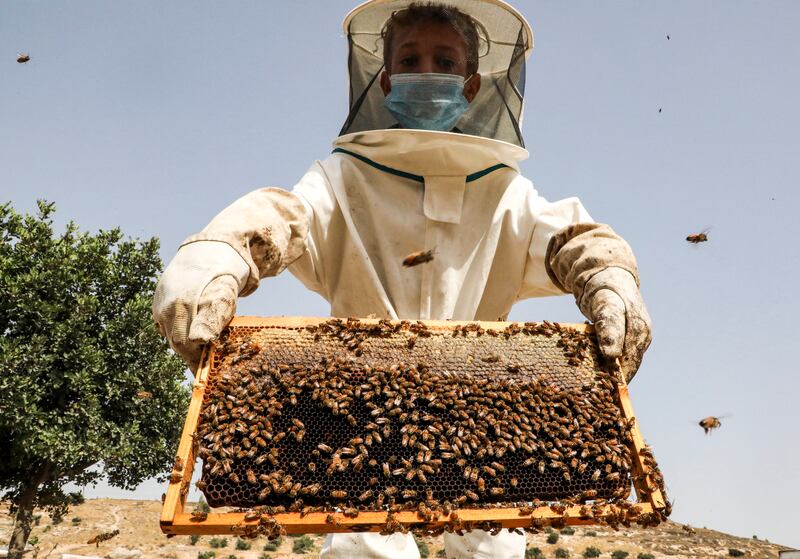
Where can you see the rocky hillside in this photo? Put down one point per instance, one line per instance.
(139, 536)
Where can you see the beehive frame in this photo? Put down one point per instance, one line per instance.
(176, 521)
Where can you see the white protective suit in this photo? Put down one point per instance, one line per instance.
(346, 227)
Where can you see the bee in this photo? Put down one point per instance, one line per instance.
(697, 238)
(688, 529)
(324, 448)
(251, 477)
(710, 423)
(144, 395)
(23, 58)
(312, 467)
(497, 491)
(178, 466)
(251, 515)
(233, 477)
(471, 494)
(417, 258)
(330, 519)
(340, 494)
(198, 516)
(365, 495)
(175, 477)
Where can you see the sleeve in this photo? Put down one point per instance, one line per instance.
(267, 228)
(547, 218)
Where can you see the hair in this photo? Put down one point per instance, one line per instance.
(431, 12)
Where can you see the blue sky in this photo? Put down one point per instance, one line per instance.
(154, 116)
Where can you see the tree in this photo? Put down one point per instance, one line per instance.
(85, 378)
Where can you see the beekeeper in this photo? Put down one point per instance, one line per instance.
(427, 159)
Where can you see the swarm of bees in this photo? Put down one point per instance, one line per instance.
(417, 258)
(100, 538)
(347, 424)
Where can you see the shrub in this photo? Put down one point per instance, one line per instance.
(56, 518)
(424, 550)
(37, 518)
(591, 551)
(218, 543)
(302, 544)
(735, 552)
(619, 554)
(568, 531)
(441, 553)
(242, 545)
(552, 538)
(194, 538)
(33, 540)
(76, 520)
(590, 534)
(562, 553)
(265, 556)
(645, 556)
(272, 545)
(202, 505)
(206, 555)
(232, 556)
(75, 498)
(534, 553)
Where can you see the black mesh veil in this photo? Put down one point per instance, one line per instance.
(505, 40)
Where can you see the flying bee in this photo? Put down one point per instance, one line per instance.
(23, 58)
(144, 395)
(710, 423)
(417, 258)
(697, 238)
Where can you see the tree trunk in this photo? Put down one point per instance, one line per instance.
(24, 517)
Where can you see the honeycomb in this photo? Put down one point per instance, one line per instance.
(377, 414)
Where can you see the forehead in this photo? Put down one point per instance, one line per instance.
(429, 35)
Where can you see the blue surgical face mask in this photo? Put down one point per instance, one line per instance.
(427, 101)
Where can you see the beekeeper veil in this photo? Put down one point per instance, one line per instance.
(504, 41)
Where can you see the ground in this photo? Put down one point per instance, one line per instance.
(137, 522)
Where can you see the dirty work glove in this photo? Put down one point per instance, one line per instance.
(611, 300)
(196, 296)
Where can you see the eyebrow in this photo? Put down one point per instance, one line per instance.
(409, 44)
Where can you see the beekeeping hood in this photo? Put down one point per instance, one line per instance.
(505, 40)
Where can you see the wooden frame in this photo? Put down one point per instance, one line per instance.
(175, 521)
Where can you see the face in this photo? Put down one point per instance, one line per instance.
(429, 48)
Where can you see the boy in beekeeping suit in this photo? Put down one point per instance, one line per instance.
(428, 158)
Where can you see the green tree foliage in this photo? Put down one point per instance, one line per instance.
(86, 379)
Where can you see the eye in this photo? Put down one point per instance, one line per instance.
(447, 64)
(408, 61)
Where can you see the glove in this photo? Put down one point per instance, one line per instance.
(611, 300)
(196, 296)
